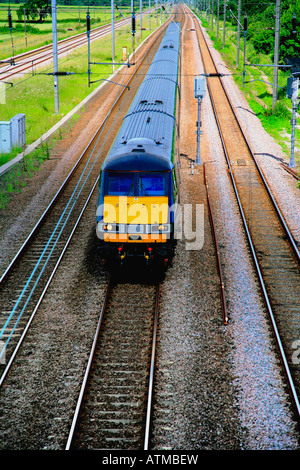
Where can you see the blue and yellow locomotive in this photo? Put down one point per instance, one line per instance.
(139, 181)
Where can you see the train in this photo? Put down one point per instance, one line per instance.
(139, 184)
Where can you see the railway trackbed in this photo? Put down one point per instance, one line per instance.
(212, 383)
(275, 252)
(26, 280)
(114, 405)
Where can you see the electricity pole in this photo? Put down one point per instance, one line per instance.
(141, 18)
(238, 34)
(224, 24)
(294, 98)
(218, 13)
(276, 53)
(55, 56)
(113, 32)
(245, 39)
(88, 31)
(132, 24)
(25, 27)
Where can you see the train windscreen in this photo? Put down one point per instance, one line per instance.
(120, 184)
(137, 184)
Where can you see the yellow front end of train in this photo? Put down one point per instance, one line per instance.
(135, 219)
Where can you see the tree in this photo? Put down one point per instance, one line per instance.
(261, 30)
(34, 9)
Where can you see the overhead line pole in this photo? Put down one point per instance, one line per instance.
(55, 56)
(224, 24)
(132, 25)
(218, 14)
(88, 31)
(238, 34)
(141, 18)
(276, 54)
(113, 33)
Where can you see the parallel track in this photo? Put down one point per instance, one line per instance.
(274, 250)
(115, 401)
(19, 64)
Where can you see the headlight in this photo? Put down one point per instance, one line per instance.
(110, 227)
(159, 228)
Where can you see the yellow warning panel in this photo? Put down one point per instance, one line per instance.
(135, 210)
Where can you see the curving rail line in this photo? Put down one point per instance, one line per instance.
(274, 250)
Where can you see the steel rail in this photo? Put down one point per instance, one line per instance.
(68, 178)
(215, 238)
(47, 54)
(12, 357)
(279, 213)
(152, 371)
(44, 258)
(54, 237)
(261, 174)
(51, 204)
(59, 192)
(42, 218)
(252, 248)
(88, 368)
(77, 39)
(48, 46)
(36, 228)
(90, 361)
(290, 171)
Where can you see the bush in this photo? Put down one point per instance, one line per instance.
(280, 111)
(264, 41)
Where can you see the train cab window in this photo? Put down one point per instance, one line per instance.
(152, 185)
(121, 184)
(136, 184)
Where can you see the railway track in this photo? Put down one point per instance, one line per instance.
(275, 252)
(25, 281)
(19, 64)
(216, 244)
(115, 402)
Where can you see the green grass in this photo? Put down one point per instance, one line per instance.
(16, 179)
(257, 92)
(6, 157)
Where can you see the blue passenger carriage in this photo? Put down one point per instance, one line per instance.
(139, 181)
